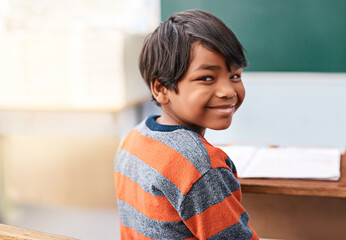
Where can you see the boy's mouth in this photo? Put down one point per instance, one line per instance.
(224, 109)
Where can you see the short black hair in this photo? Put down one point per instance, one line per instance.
(167, 51)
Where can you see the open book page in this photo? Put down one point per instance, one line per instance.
(241, 156)
(287, 162)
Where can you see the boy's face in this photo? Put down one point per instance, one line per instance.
(208, 94)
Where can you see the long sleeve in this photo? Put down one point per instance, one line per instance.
(212, 209)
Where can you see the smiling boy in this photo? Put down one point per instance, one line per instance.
(170, 182)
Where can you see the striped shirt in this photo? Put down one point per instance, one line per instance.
(172, 184)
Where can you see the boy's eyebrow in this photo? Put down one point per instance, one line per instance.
(212, 67)
(208, 67)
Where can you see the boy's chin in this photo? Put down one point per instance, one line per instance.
(220, 126)
(218, 129)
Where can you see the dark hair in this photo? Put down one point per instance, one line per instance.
(166, 52)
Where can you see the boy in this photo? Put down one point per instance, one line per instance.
(170, 182)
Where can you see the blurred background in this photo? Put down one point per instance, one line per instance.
(70, 89)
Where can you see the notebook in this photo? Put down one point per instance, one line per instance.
(285, 162)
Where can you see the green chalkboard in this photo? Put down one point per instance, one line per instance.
(281, 35)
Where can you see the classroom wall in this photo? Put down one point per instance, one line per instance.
(56, 171)
(296, 109)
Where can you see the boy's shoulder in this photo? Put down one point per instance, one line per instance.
(174, 142)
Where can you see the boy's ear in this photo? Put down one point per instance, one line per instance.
(159, 92)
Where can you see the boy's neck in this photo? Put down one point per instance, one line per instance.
(166, 120)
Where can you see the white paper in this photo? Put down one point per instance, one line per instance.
(240, 155)
(286, 162)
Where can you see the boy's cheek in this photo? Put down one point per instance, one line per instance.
(241, 97)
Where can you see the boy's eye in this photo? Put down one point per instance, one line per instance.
(206, 79)
(236, 78)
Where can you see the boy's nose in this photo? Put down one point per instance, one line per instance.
(226, 90)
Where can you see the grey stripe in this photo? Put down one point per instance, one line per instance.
(209, 190)
(147, 177)
(237, 231)
(231, 165)
(152, 228)
(186, 142)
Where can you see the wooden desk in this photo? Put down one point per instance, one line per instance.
(298, 187)
(297, 209)
(14, 233)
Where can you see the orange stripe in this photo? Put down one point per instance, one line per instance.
(237, 194)
(164, 159)
(191, 238)
(130, 234)
(154, 207)
(216, 218)
(254, 234)
(219, 157)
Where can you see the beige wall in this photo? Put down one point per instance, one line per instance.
(59, 159)
(59, 170)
